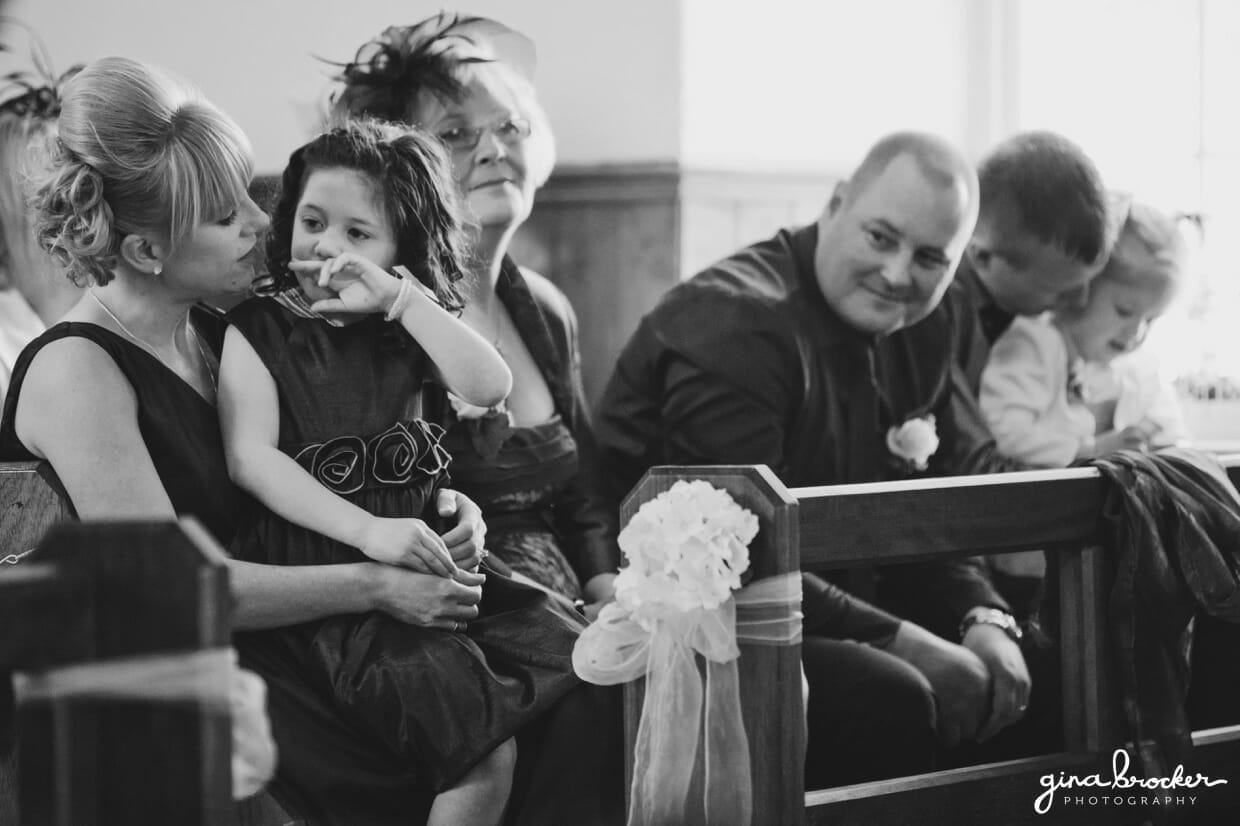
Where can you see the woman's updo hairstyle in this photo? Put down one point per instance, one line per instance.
(138, 153)
(391, 74)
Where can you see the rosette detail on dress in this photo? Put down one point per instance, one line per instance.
(347, 464)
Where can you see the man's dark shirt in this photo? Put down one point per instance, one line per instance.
(746, 363)
(989, 319)
(978, 322)
(993, 319)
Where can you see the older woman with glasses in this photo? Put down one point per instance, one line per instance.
(529, 461)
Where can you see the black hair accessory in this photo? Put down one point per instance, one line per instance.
(33, 93)
(405, 60)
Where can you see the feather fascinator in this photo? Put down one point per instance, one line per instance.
(32, 92)
(390, 72)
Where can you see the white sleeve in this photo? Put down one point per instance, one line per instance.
(1019, 393)
(1158, 407)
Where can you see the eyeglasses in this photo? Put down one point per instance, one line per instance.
(510, 131)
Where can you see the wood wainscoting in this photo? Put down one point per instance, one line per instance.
(616, 237)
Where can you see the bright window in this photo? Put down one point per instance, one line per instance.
(1151, 90)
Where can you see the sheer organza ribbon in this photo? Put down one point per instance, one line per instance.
(689, 714)
(209, 678)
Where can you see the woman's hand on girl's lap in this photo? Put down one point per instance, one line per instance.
(408, 543)
(467, 537)
(360, 285)
(429, 601)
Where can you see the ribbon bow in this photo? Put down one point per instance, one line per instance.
(683, 547)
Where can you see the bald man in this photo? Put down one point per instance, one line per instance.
(800, 352)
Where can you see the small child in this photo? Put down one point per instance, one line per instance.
(1073, 384)
(320, 401)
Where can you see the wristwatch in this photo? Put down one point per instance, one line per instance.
(991, 616)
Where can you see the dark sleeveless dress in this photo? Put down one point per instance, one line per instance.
(537, 484)
(180, 428)
(435, 700)
(331, 774)
(517, 475)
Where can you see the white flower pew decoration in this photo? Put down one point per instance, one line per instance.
(687, 550)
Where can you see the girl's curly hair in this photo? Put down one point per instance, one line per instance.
(413, 178)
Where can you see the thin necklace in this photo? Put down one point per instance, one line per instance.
(495, 322)
(150, 349)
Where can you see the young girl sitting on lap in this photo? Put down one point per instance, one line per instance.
(320, 404)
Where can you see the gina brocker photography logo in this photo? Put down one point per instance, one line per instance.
(1121, 789)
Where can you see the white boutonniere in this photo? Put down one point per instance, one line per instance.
(914, 442)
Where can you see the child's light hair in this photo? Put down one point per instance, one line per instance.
(1147, 234)
(139, 153)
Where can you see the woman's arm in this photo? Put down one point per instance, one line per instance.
(250, 421)
(79, 412)
(273, 596)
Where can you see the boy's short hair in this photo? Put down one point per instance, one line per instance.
(1044, 185)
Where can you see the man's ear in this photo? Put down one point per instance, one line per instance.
(140, 254)
(837, 198)
(979, 255)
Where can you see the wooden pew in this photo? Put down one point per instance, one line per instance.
(95, 592)
(29, 505)
(101, 598)
(846, 525)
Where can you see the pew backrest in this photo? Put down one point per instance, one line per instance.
(29, 505)
(848, 525)
(43, 593)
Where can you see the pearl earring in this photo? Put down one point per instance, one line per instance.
(159, 269)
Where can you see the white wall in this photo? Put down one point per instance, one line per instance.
(608, 71)
(716, 84)
(797, 85)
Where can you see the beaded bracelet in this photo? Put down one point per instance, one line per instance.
(403, 272)
(400, 302)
